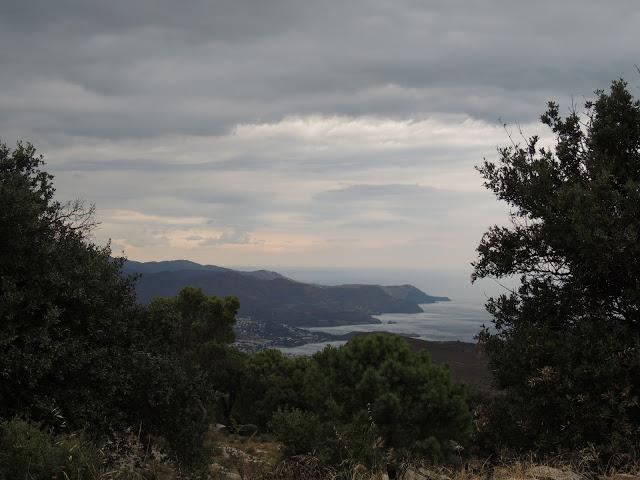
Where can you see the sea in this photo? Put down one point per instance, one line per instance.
(454, 320)
(461, 318)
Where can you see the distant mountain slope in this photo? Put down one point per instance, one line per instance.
(132, 266)
(412, 294)
(270, 297)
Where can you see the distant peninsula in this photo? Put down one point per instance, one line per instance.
(270, 298)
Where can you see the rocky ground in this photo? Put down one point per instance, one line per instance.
(236, 457)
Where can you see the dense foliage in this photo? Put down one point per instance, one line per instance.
(27, 452)
(76, 351)
(371, 395)
(566, 344)
(68, 318)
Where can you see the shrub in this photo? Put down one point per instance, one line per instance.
(411, 401)
(29, 453)
(356, 402)
(301, 431)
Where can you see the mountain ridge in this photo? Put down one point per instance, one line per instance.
(270, 297)
(132, 266)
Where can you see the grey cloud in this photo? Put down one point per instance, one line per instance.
(138, 76)
(237, 163)
(368, 192)
(227, 238)
(130, 69)
(376, 224)
(141, 237)
(401, 205)
(160, 173)
(390, 194)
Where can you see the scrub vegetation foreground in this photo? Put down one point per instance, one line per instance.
(95, 385)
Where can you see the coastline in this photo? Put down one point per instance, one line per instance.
(456, 320)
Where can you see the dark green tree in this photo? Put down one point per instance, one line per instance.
(196, 329)
(192, 318)
(356, 402)
(225, 370)
(76, 351)
(412, 403)
(65, 311)
(565, 347)
(274, 381)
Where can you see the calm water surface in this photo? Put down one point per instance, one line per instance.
(454, 320)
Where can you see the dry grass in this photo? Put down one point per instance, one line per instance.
(580, 466)
(259, 457)
(245, 458)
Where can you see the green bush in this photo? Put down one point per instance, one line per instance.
(353, 403)
(411, 401)
(301, 431)
(29, 453)
(273, 381)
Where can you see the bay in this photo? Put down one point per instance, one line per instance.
(443, 321)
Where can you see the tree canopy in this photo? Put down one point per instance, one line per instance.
(357, 401)
(76, 350)
(566, 343)
(67, 315)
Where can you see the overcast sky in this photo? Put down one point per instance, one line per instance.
(296, 133)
